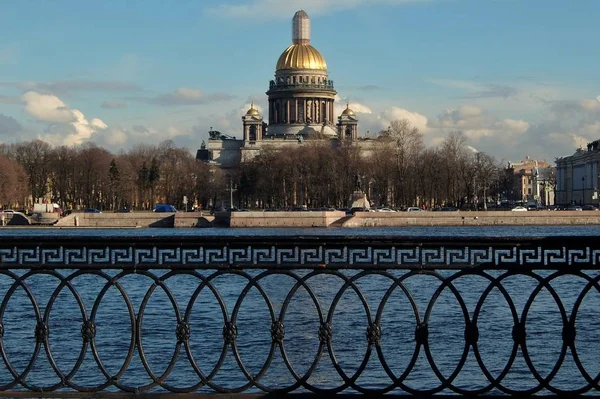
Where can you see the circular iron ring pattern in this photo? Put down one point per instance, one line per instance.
(187, 329)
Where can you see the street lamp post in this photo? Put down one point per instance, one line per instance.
(582, 190)
(536, 188)
(543, 194)
(371, 181)
(230, 193)
(230, 190)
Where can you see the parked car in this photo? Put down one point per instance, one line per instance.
(574, 208)
(414, 209)
(519, 209)
(91, 210)
(123, 210)
(165, 208)
(589, 208)
(385, 210)
(448, 209)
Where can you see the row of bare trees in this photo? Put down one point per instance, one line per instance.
(395, 170)
(91, 177)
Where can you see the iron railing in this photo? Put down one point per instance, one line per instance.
(284, 86)
(422, 316)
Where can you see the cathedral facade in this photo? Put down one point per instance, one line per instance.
(301, 107)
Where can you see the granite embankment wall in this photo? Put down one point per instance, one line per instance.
(135, 219)
(489, 218)
(329, 219)
(285, 219)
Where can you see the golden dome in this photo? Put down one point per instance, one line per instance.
(348, 111)
(253, 111)
(301, 56)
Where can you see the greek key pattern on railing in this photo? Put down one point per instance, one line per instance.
(318, 256)
(375, 328)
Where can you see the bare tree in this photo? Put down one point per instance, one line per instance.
(35, 156)
(12, 191)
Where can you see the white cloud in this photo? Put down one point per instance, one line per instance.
(115, 137)
(184, 96)
(47, 108)
(371, 122)
(359, 108)
(587, 108)
(374, 122)
(464, 117)
(517, 95)
(67, 126)
(114, 104)
(395, 113)
(476, 123)
(478, 90)
(119, 137)
(266, 9)
(512, 125)
(61, 87)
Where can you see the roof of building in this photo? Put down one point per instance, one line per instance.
(301, 56)
(301, 13)
(253, 111)
(348, 111)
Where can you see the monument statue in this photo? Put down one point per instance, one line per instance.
(357, 184)
(359, 197)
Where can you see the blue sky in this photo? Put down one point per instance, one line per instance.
(518, 77)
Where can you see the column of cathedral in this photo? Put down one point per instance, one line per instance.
(295, 118)
(331, 111)
(288, 111)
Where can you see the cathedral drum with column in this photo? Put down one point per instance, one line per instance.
(301, 97)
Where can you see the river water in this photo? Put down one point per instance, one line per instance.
(115, 314)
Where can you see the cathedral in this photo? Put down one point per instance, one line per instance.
(301, 107)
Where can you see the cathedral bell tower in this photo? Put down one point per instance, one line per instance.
(253, 125)
(347, 125)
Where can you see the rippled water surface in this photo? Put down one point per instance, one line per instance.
(154, 301)
(449, 231)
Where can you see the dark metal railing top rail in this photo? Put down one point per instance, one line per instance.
(109, 316)
(337, 252)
